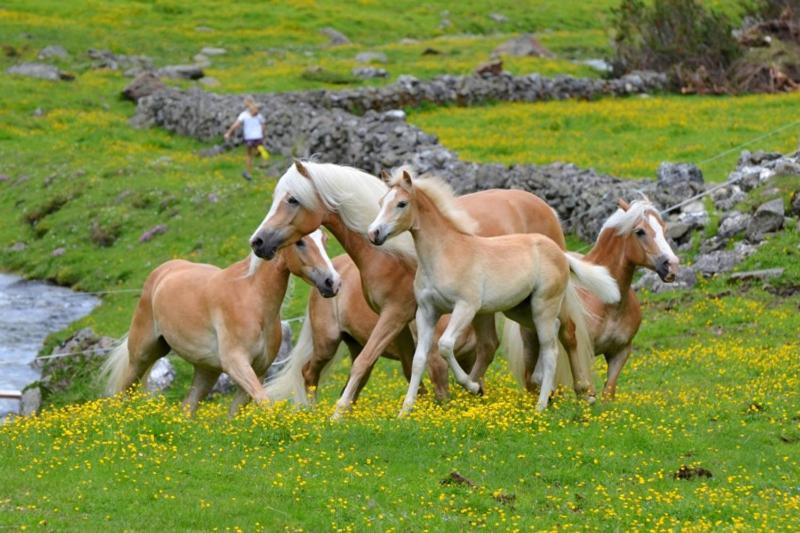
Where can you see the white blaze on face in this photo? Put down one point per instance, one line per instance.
(276, 201)
(661, 240)
(382, 214)
(316, 236)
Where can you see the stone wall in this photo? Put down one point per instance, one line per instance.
(321, 124)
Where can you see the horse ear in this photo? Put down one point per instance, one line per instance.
(622, 204)
(301, 168)
(407, 179)
(385, 176)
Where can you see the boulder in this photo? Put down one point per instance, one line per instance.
(41, 71)
(224, 385)
(765, 274)
(161, 376)
(733, 224)
(716, 262)
(713, 244)
(767, 219)
(335, 37)
(679, 231)
(523, 45)
(794, 204)
(213, 51)
(686, 279)
(143, 85)
(53, 51)
(679, 181)
(371, 57)
(133, 65)
(186, 72)
(31, 401)
(369, 72)
(726, 198)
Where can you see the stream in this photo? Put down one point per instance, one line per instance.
(29, 312)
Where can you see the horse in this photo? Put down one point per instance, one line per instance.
(219, 320)
(328, 322)
(345, 200)
(633, 236)
(524, 276)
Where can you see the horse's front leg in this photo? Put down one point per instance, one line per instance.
(426, 330)
(460, 320)
(390, 322)
(615, 363)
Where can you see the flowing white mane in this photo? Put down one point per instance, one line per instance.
(625, 221)
(441, 194)
(352, 194)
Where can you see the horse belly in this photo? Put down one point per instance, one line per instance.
(196, 347)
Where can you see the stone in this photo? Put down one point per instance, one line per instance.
(58, 252)
(716, 262)
(132, 65)
(209, 81)
(685, 279)
(40, 71)
(498, 17)
(4, 177)
(18, 247)
(201, 60)
(713, 244)
(152, 232)
(794, 204)
(161, 376)
(213, 51)
(733, 224)
(490, 68)
(143, 85)
(764, 274)
(767, 219)
(186, 72)
(369, 72)
(31, 401)
(678, 231)
(726, 198)
(599, 65)
(38, 112)
(694, 214)
(53, 51)
(371, 57)
(785, 167)
(679, 181)
(224, 385)
(395, 115)
(335, 37)
(523, 45)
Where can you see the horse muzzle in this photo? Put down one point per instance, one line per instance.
(329, 285)
(667, 269)
(377, 236)
(266, 244)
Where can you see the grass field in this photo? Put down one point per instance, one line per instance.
(713, 382)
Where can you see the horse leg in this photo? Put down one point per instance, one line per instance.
(144, 349)
(390, 323)
(438, 372)
(487, 343)
(325, 346)
(202, 383)
(615, 363)
(237, 364)
(545, 315)
(581, 374)
(533, 370)
(259, 366)
(426, 330)
(460, 319)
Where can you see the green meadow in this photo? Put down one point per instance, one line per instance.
(713, 385)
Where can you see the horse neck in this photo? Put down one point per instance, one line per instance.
(430, 230)
(270, 282)
(609, 251)
(355, 244)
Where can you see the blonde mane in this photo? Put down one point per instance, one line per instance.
(351, 193)
(625, 221)
(441, 194)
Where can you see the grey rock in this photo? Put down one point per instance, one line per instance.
(224, 385)
(686, 279)
(713, 244)
(201, 60)
(161, 376)
(18, 247)
(767, 219)
(213, 51)
(371, 57)
(209, 81)
(764, 274)
(679, 181)
(38, 112)
(58, 252)
(678, 231)
(54, 50)
(143, 85)
(726, 198)
(369, 72)
(498, 17)
(694, 214)
(794, 204)
(152, 232)
(747, 158)
(733, 224)
(133, 65)
(335, 37)
(186, 72)
(716, 262)
(395, 114)
(40, 71)
(31, 401)
(786, 167)
(523, 45)
(4, 177)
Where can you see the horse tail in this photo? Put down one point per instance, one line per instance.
(514, 350)
(575, 310)
(595, 279)
(288, 382)
(114, 371)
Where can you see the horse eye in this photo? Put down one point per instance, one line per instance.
(292, 200)
(301, 244)
(640, 232)
(401, 204)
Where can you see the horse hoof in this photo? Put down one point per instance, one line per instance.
(591, 399)
(541, 406)
(481, 391)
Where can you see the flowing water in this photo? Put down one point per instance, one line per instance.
(29, 312)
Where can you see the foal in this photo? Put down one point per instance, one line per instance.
(217, 319)
(525, 276)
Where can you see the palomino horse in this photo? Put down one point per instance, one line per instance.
(525, 276)
(345, 200)
(632, 237)
(217, 319)
(328, 322)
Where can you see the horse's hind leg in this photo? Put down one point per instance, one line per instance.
(144, 349)
(202, 383)
(545, 311)
(460, 319)
(325, 346)
(487, 343)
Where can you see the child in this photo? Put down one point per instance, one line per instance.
(254, 127)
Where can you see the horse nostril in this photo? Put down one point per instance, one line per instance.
(257, 242)
(329, 283)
